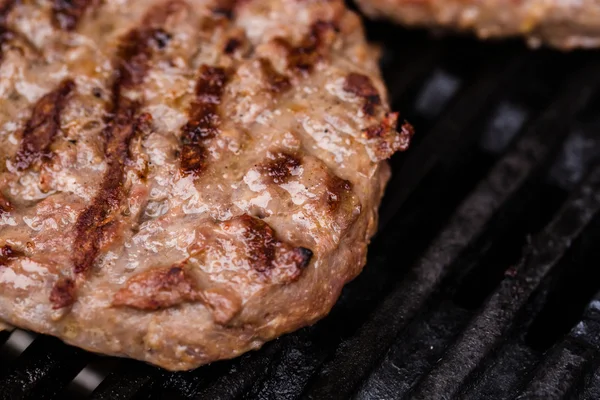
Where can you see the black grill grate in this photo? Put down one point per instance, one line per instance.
(482, 281)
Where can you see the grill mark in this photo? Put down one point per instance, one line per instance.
(89, 225)
(336, 189)
(282, 167)
(43, 125)
(300, 256)
(232, 45)
(5, 206)
(277, 82)
(5, 8)
(93, 223)
(6, 34)
(260, 238)
(302, 58)
(226, 8)
(165, 287)
(362, 86)
(157, 289)
(63, 293)
(265, 251)
(8, 255)
(137, 46)
(204, 120)
(135, 53)
(66, 14)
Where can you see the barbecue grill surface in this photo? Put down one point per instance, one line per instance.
(482, 281)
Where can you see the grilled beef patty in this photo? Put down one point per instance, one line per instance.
(183, 180)
(564, 24)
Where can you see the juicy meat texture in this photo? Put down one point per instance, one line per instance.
(183, 180)
(565, 24)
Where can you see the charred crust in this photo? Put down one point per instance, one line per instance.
(204, 119)
(43, 125)
(158, 288)
(276, 81)
(66, 14)
(8, 254)
(362, 86)
(281, 168)
(63, 293)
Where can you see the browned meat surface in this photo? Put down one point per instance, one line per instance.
(183, 180)
(565, 24)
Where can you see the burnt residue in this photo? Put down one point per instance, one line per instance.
(66, 14)
(362, 86)
(43, 125)
(276, 81)
(204, 119)
(281, 168)
(158, 288)
(302, 58)
(8, 255)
